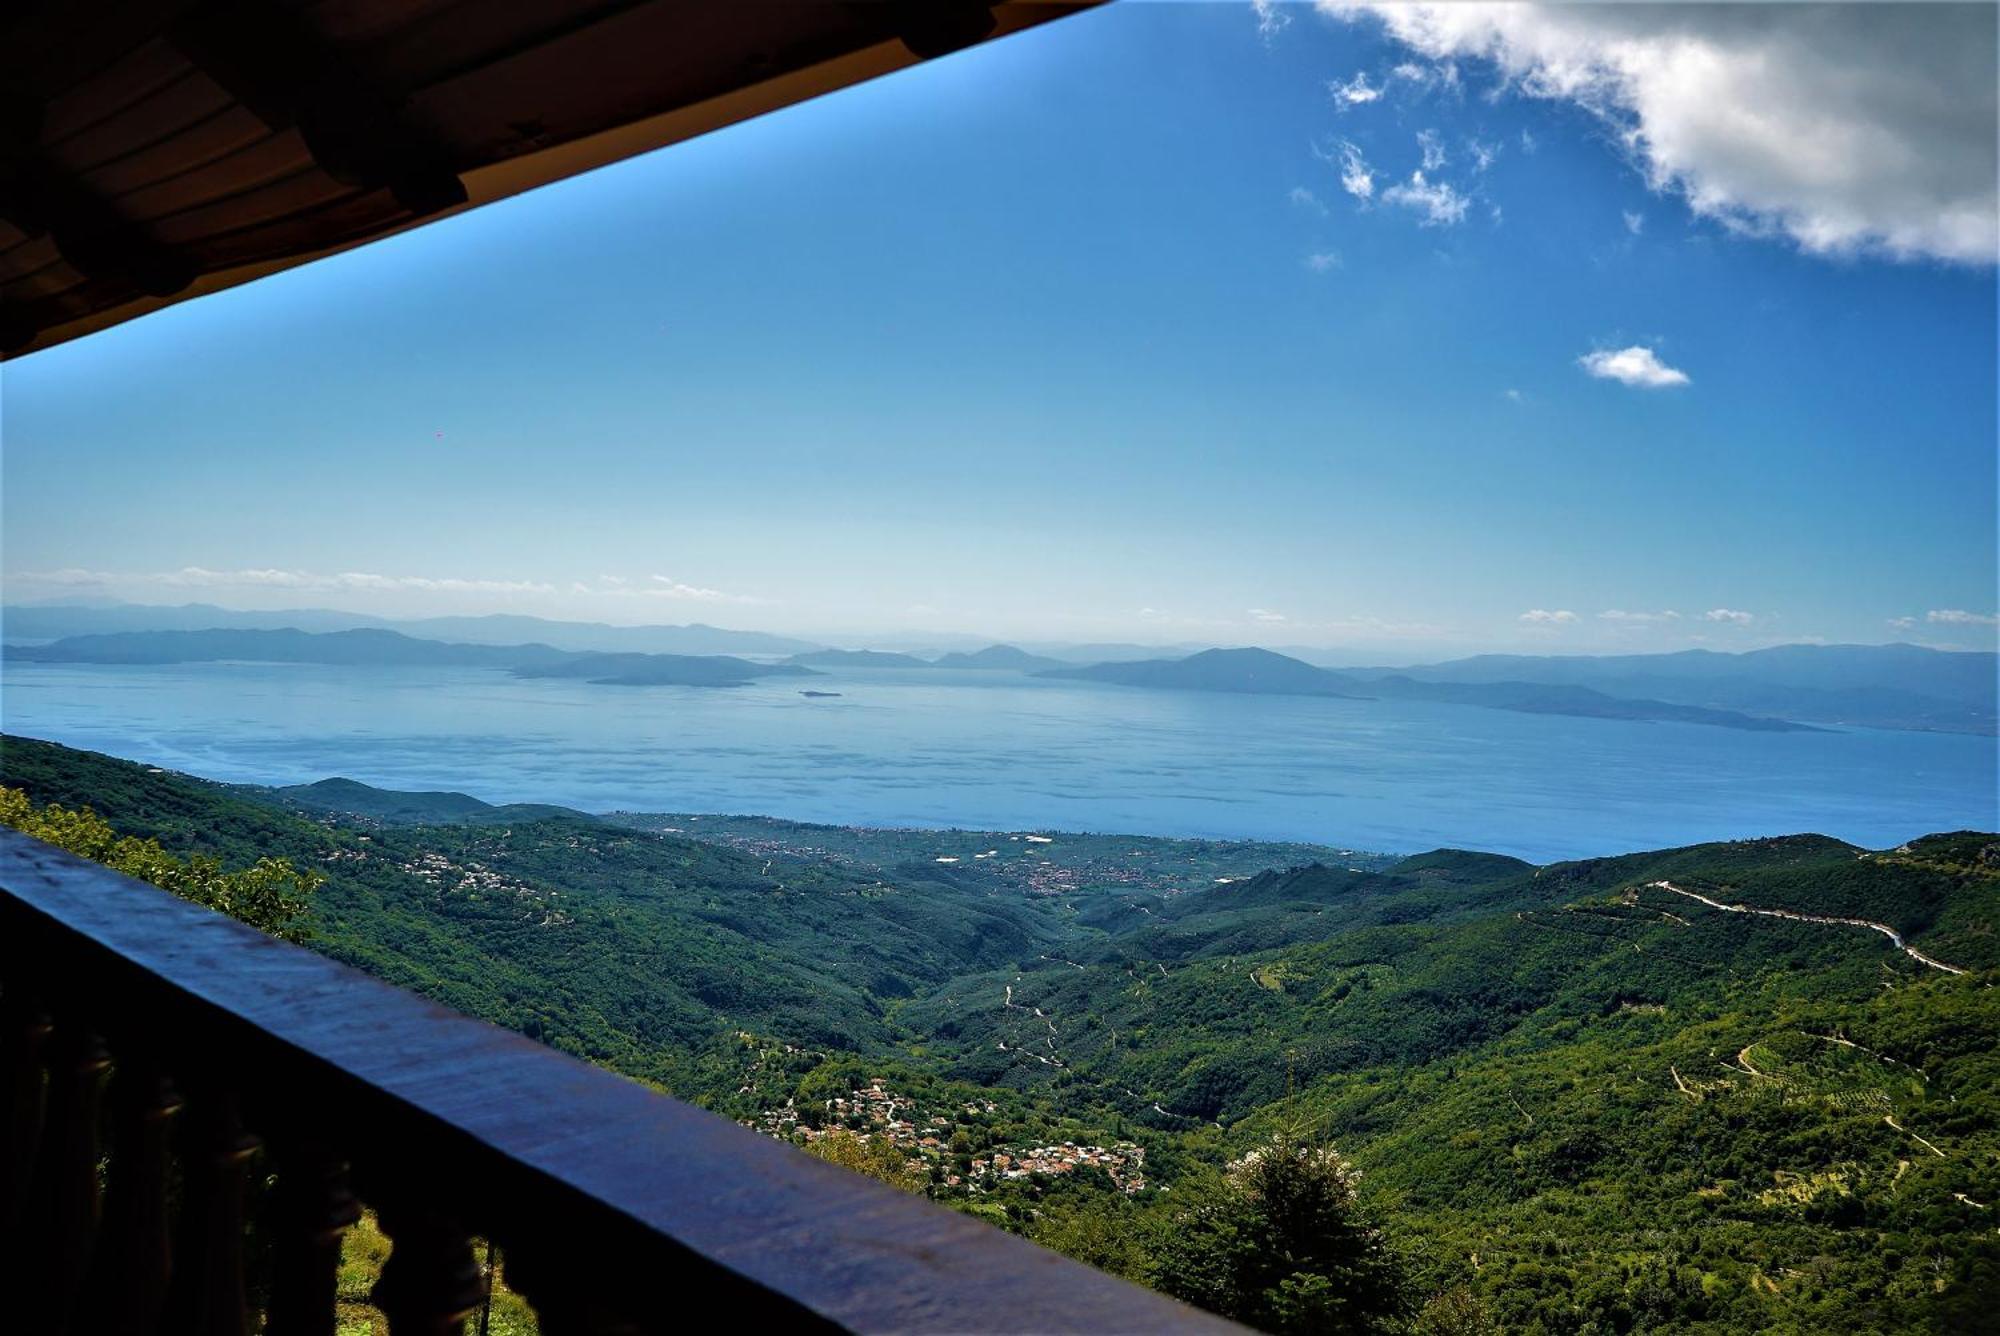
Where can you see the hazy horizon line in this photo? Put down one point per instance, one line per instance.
(950, 638)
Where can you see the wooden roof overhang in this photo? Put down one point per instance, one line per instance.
(157, 150)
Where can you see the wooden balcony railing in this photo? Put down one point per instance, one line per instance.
(195, 1112)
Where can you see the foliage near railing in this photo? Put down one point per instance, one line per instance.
(271, 894)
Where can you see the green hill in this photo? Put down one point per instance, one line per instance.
(351, 798)
(1660, 1091)
(643, 951)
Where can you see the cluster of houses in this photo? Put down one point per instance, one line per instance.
(476, 881)
(1124, 1163)
(875, 1111)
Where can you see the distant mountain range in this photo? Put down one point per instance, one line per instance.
(25, 622)
(1000, 657)
(358, 648)
(857, 658)
(1245, 671)
(390, 649)
(1261, 672)
(1865, 686)
(651, 670)
(1785, 687)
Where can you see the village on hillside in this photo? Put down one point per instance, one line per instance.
(940, 1146)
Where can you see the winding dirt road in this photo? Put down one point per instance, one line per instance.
(1883, 928)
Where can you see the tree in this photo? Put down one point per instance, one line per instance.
(271, 895)
(875, 1158)
(1279, 1241)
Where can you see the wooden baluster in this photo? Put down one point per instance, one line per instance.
(128, 1276)
(430, 1284)
(313, 1208)
(205, 1296)
(21, 1051)
(563, 1286)
(59, 1227)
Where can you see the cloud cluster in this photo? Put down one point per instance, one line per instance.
(1636, 366)
(1428, 76)
(1960, 617)
(201, 577)
(1437, 202)
(666, 586)
(1431, 147)
(1356, 177)
(1272, 18)
(1848, 129)
(1624, 617)
(1355, 92)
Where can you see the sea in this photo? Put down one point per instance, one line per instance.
(1001, 751)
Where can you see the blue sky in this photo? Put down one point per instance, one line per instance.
(1098, 332)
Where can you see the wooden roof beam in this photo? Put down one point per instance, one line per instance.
(357, 134)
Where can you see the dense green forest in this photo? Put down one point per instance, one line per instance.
(1449, 1093)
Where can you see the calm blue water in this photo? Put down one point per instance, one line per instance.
(996, 750)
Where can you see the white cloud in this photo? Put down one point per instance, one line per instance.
(1432, 149)
(1356, 178)
(1437, 201)
(1321, 262)
(1638, 618)
(1356, 92)
(1483, 154)
(1844, 128)
(1428, 76)
(1266, 615)
(1633, 366)
(665, 586)
(1271, 18)
(201, 577)
(1635, 223)
(1305, 199)
(1730, 615)
(1514, 396)
(1960, 617)
(66, 578)
(1548, 617)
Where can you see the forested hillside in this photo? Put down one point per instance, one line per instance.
(1695, 1089)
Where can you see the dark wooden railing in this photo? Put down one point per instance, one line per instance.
(196, 1112)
